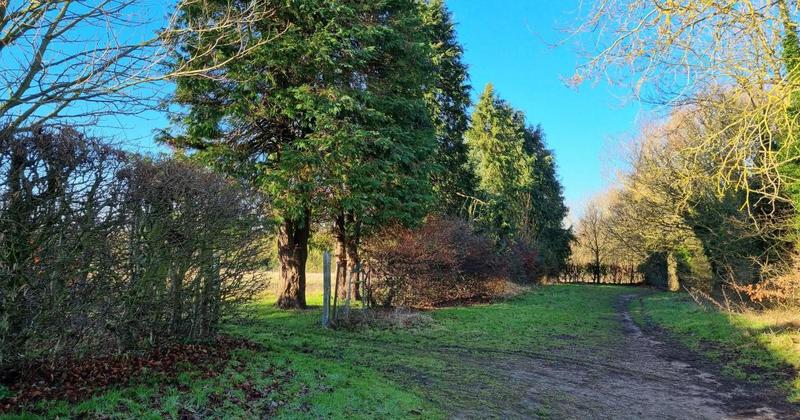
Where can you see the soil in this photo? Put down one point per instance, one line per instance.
(648, 375)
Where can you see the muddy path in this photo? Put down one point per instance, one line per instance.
(646, 375)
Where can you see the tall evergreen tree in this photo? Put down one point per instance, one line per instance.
(496, 141)
(548, 210)
(518, 182)
(789, 148)
(448, 98)
(326, 110)
(381, 173)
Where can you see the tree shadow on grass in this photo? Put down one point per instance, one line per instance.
(741, 351)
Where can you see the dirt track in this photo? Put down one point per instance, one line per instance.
(646, 376)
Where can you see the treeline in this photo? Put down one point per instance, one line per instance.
(709, 193)
(708, 197)
(352, 118)
(670, 214)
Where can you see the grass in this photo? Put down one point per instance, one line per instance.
(422, 372)
(432, 370)
(759, 346)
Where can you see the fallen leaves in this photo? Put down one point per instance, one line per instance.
(79, 379)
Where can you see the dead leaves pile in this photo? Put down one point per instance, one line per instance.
(79, 379)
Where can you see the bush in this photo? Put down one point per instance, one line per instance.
(524, 263)
(191, 250)
(779, 289)
(441, 261)
(101, 251)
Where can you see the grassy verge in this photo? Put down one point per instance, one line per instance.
(756, 346)
(428, 371)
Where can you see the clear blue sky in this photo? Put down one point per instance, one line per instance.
(510, 43)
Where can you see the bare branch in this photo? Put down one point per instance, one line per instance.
(77, 61)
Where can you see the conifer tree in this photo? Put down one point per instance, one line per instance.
(517, 180)
(380, 173)
(548, 210)
(496, 141)
(448, 97)
(327, 112)
(788, 149)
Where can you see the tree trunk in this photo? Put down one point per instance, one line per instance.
(353, 258)
(672, 273)
(211, 298)
(354, 268)
(177, 276)
(292, 253)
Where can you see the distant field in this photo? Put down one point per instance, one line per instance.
(313, 286)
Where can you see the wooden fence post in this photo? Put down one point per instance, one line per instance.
(365, 288)
(326, 289)
(336, 293)
(349, 284)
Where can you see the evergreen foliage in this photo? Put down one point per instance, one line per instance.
(448, 97)
(327, 112)
(789, 151)
(518, 185)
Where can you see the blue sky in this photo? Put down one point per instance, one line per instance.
(510, 43)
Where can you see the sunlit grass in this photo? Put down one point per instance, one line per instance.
(417, 372)
(756, 346)
(779, 332)
(427, 371)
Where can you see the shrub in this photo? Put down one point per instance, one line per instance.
(59, 210)
(524, 263)
(191, 250)
(101, 251)
(780, 287)
(441, 261)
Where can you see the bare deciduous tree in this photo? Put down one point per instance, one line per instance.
(80, 60)
(592, 239)
(715, 55)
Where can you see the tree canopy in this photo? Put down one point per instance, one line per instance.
(519, 190)
(448, 97)
(328, 117)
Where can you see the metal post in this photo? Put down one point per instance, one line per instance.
(326, 289)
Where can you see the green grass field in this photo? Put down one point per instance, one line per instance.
(367, 373)
(424, 371)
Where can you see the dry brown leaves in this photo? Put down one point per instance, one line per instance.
(79, 379)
